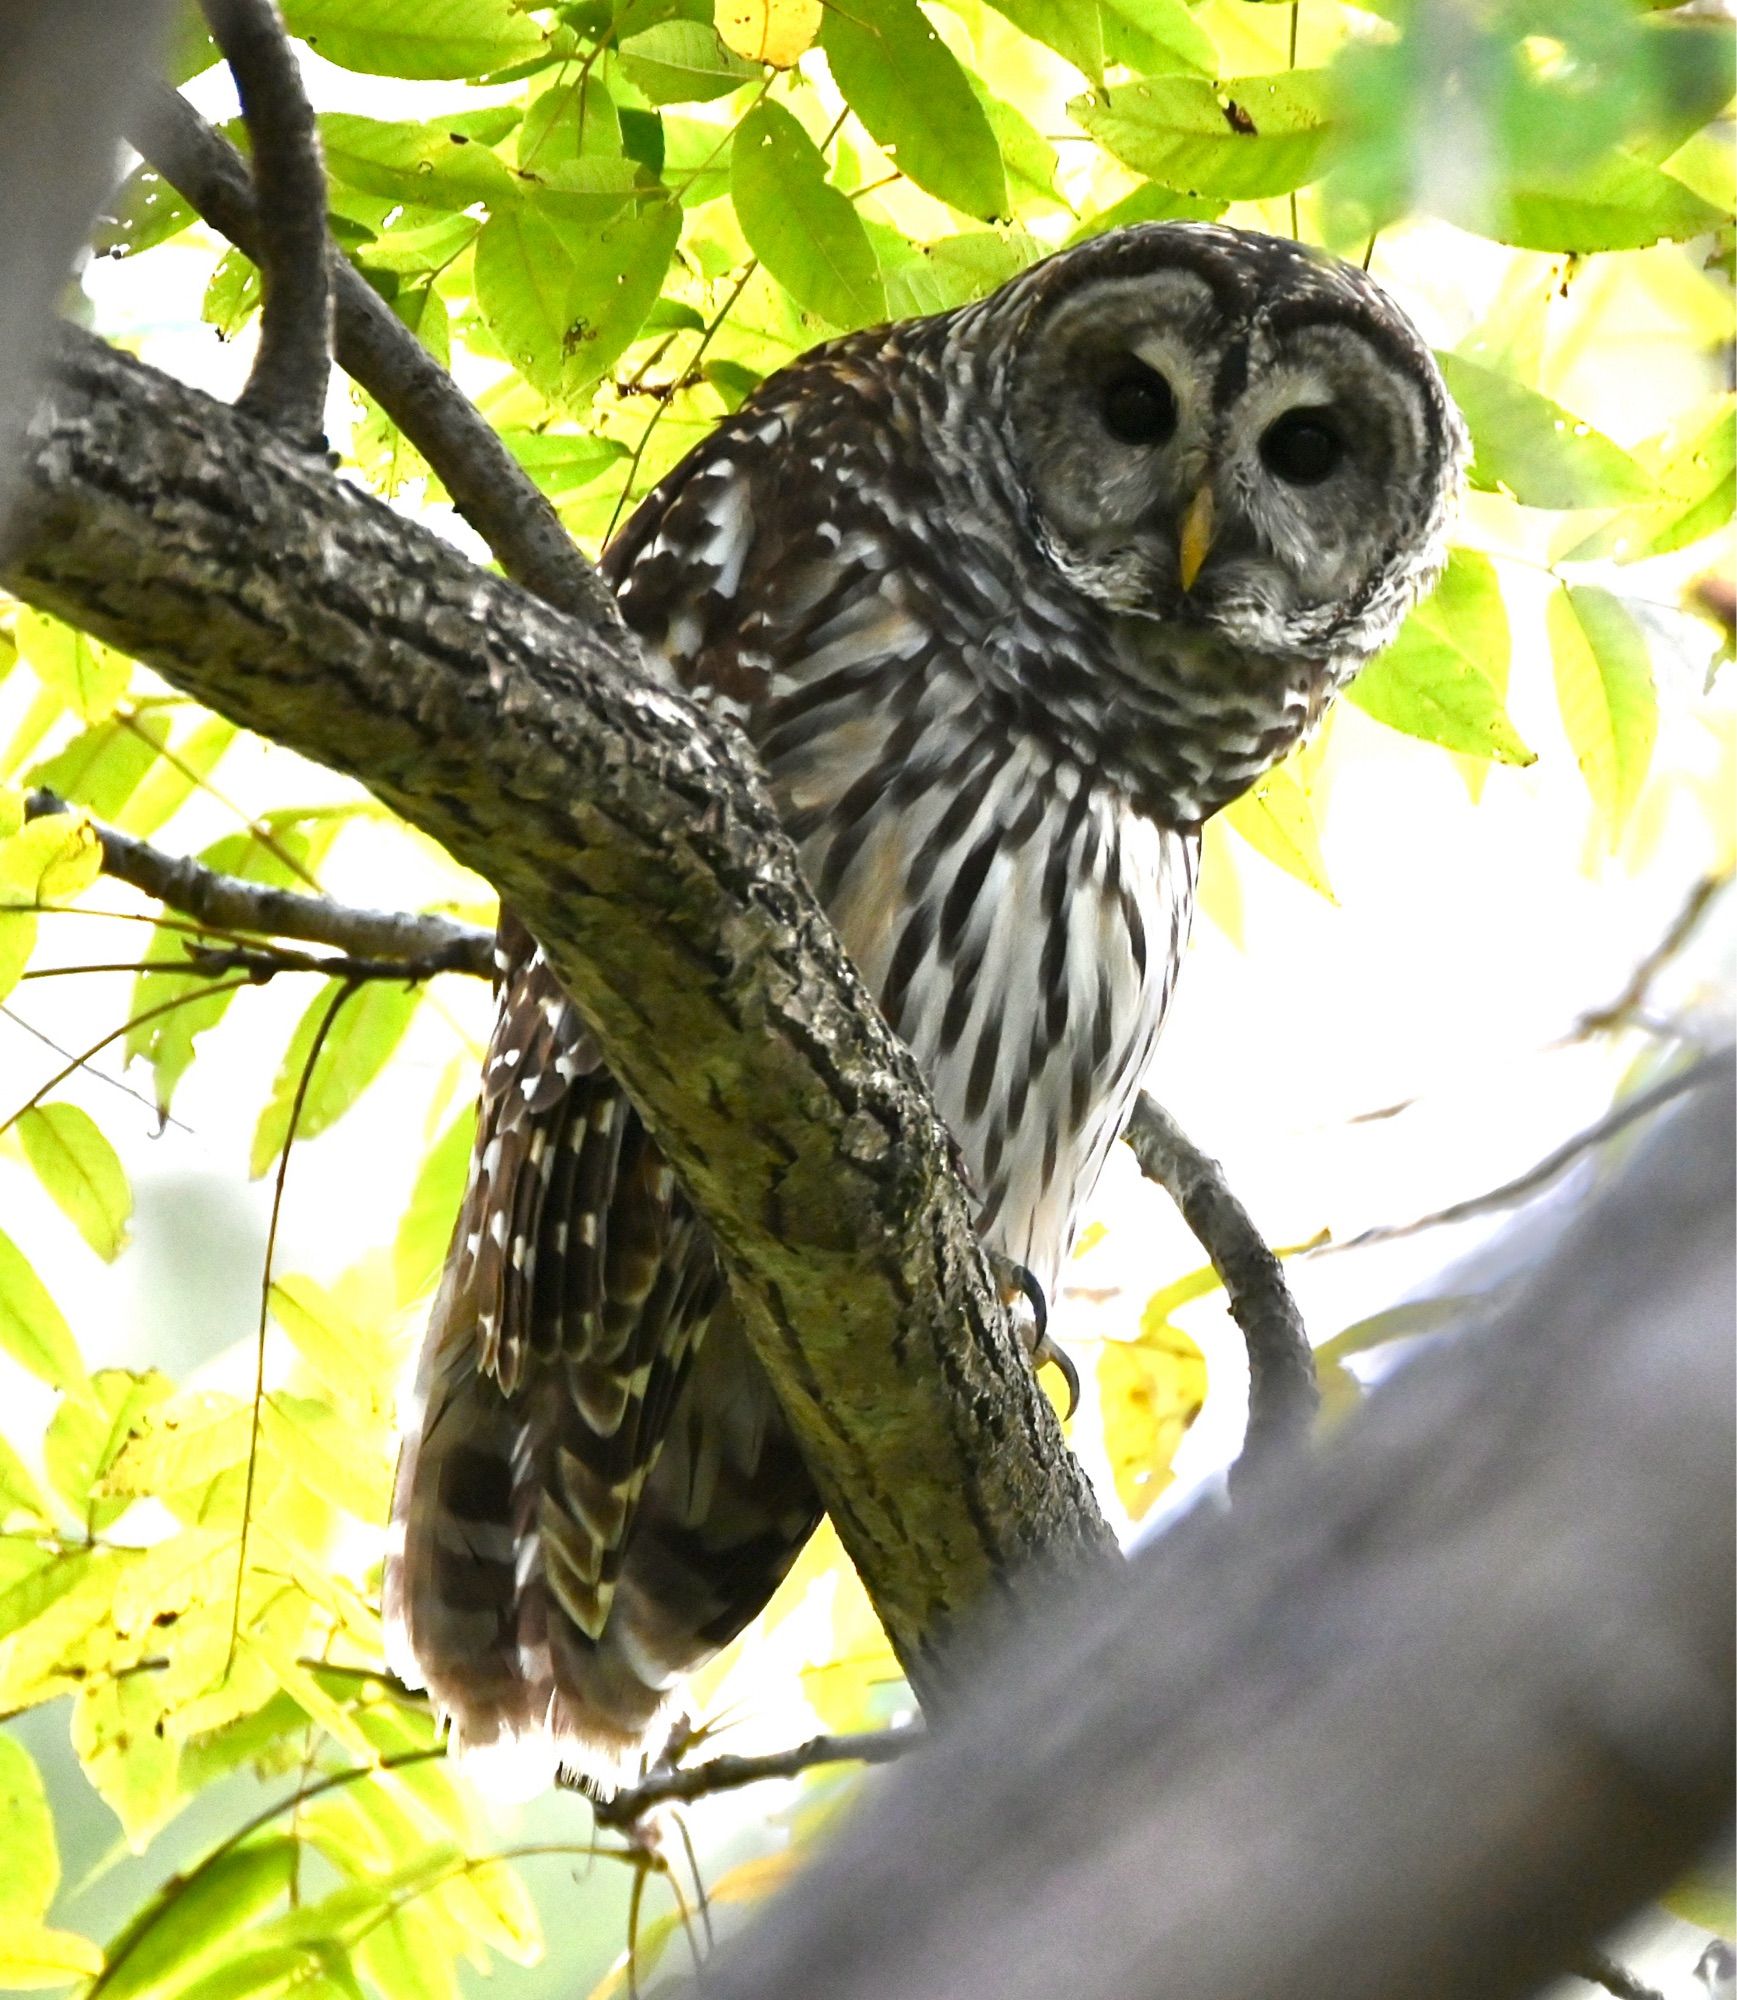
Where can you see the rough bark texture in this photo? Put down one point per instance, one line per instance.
(1423, 1716)
(635, 837)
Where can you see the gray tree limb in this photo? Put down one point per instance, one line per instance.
(634, 835)
(287, 383)
(1283, 1394)
(1424, 1716)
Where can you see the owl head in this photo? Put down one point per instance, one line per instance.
(1229, 435)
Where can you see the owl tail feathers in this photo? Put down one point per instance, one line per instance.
(528, 1696)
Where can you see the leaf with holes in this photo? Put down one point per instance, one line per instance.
(84, 1440)
(1244, 138)
(800, 227)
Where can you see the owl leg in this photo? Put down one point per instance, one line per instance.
(1023, 1296)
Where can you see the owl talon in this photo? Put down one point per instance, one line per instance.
(1059, 1358)
(1017, 1284)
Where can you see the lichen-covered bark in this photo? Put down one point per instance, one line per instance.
(636, 838)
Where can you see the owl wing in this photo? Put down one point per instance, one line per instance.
(583, 1513)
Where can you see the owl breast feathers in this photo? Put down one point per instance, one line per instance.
(1009, 600)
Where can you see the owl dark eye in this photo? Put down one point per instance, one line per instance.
(1302, 447)
(1138, 406)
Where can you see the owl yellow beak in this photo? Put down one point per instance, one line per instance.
(1196, 537)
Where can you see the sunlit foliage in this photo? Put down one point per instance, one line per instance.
(613, 221)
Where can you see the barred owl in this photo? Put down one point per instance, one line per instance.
(1010, 600)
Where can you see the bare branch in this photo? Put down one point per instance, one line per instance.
(728, 1774)
(487, 484)
(286, 386)
(1283, 1394)
(1598, 1968)
(405, 946)
(1535, 1178)
(634, 834)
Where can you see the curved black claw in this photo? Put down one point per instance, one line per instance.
(1018, 1283)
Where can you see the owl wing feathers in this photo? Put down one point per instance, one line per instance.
(582, 1512)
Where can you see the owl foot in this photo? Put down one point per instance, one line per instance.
(1018, 1287)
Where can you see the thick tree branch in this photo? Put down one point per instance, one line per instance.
(486, 483)
(1425, 1715)
(226, 903)
(1283, 1395)
(287, 383)
(635, 837)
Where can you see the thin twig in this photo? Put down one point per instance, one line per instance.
(286, 386)
(1283, 1394)
(297, 1103)
(418, 945)
(101, 1075)
(728, 1774)
(486, 483)
(1535, 1178)
(1619, 1012)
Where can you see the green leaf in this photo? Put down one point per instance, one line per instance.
(89, 676)
(143, 212)
(349, 1357)
(84, 1440)
(81, 1171)
(25, 1598)
(232, 297)
(329, 1456)
(1277, 820)
(104, 765)
(1528, 446)
(21, 1501)
(419, 1250)
(416, 38)
(32, 1329)
(1151, 203)
(1029, 159)
(29, 1860)
(570, 121)
(1073, 28)
(1604, 688)
(176, 777)
(1618, 203)
(1160, 37)
(908, 89)
(682, 62)
(194, 1919)
(562, 461)
(51, 860)
(367, 1028)
(565, 278)
(1697, 495)
(800, 227)
(444, 163)
(1441, 679)
(1242, 139)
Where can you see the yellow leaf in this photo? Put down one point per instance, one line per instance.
(778, 32)
(751, 1880)
(37, 1956)
(1151, 1390)
(1277, 819)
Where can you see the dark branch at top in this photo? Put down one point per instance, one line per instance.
(287, 384)
(1283, 1395)
(487, 484)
